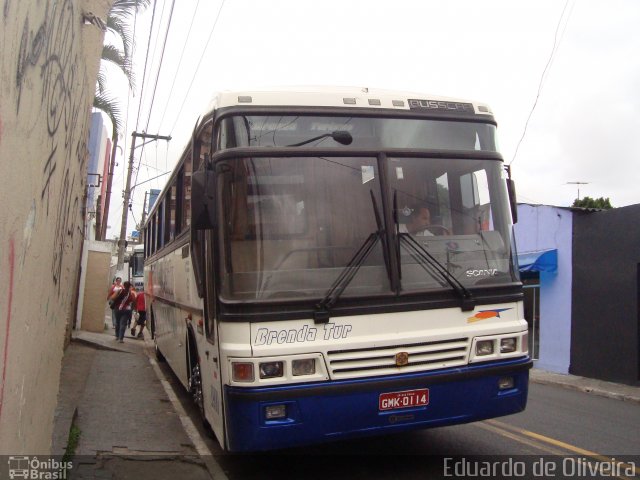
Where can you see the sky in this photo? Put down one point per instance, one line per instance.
(561, 76)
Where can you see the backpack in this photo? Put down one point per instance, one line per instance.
(113, 304)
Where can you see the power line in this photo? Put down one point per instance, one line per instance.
(155, 86)
(198, 67)
(184, 47)
(156, 40)
(556, 43)
(164, 46)
(144, 73)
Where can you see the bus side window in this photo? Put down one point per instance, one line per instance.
(156, 236)
(166, 219)
(202, 147)
(183, 194)
(160, 220)
(171, 218)
(152, 234)
(186, 192)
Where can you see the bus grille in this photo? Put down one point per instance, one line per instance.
(362, 362)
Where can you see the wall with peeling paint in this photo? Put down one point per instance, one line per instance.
(48, 65)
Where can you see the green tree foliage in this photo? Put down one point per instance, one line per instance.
(118, 22)
(588, 202)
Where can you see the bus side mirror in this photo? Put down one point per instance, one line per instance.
(511, 190)
(202, 196)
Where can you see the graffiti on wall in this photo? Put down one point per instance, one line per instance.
(44, 114)
(50, 48)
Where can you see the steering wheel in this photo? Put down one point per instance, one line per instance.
(444, 229)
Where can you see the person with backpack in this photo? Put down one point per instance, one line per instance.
(123, 305)
(115, 287)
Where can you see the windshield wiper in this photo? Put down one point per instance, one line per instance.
(323, 309)
(427, 261)
(340, 136)
(321, 313)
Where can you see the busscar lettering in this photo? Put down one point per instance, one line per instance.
(265, 336)
(441, 105)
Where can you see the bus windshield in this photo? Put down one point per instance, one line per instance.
(291, 225)
(137, 264)
(282, 131)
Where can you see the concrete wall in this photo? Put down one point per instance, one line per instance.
(542, 227)
(606, 295)
(48, 65)
(96, 287)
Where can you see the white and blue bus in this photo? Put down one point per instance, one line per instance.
(291, 292)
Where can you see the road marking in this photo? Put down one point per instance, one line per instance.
(519, 439)
(517, 434)
(192, 432)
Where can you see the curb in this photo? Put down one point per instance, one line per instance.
(57, 448)
(99, 346)
(626, 397)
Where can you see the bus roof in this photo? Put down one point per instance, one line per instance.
(358, 97)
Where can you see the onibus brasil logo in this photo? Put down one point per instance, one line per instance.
(34, 468)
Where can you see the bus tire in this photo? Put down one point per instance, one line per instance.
(195, 385)
(159, 355)
(152, 323)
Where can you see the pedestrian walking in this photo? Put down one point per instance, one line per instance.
(141, 311)
(123, 301)
(115, 287)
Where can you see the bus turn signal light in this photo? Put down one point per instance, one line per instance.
(242, 371)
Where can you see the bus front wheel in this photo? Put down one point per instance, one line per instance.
(159, 355)
(195, 387)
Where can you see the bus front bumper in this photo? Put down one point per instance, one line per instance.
(334, 410)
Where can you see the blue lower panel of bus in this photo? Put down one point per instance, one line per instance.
(320, 412)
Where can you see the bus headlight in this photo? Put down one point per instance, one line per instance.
(498, 346)
(271, 369)
(484, 347)
(306, 366)
(508, 345)
(242, 371)
(277, 370)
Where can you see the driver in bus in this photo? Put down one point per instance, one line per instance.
(419, 220)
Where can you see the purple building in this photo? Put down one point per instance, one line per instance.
(581, 272)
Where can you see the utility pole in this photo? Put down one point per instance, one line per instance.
(144, 209)
(107, 200)
(127, 192)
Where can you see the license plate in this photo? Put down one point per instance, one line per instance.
(406, 399)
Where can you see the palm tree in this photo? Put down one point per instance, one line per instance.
(118, 22)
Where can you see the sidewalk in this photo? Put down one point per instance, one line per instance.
(128, 426)
(617, 391)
